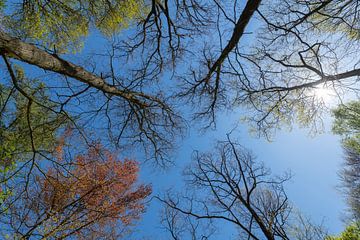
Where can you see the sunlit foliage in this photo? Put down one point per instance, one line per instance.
(347, 124)
(63, 24)
(352, 232)
(27, 123)
(339, 17)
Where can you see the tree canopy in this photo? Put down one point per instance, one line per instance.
(351, 232)
(157, 68)
(347, 125)
(94, 196)
(64, 25)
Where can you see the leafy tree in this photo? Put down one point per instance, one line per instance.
(352, 232)
(347, 125)
(27, 122)
(124, 95)
(63, 25)
(39, 31)
(276, 83)
(97, 197)
(343, 21)
(28, 125)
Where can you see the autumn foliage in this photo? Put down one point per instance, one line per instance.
(97, 197)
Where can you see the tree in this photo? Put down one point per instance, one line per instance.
(26, 128)
(277, 78)
(35, 27)
(303, 228)
(180, 226)
(25, 125)
(96, 197)
(275, 82)
(347, 125)
(228, 186)
(63, 25)
(352, 232)
(125, 95)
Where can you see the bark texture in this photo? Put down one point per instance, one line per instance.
(25, 52)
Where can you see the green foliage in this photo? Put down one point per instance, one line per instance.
(2, 4)
(352, 232)
(347, 124)
(339, 17)
(25, 124)
(280, 112)
(64, 24)
(112, 16)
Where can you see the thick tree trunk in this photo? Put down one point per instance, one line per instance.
(15, 48)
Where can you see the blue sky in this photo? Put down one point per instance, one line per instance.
(314, 162)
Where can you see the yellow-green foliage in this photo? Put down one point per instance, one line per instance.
(352, 232)
(64, 24)
(347, 124)
(2, 4)
(339, 17)
(23, 125)
(111, 18)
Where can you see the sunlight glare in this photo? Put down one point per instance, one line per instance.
(324, 94)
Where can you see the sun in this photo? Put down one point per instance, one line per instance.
(324, 94)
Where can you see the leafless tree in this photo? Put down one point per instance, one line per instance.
(181, 226)
(350, 180)
(302, 228)
(228, 185)
(298, 47)
(197, 51)
(293, 52)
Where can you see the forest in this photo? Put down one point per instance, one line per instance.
(163, 119)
